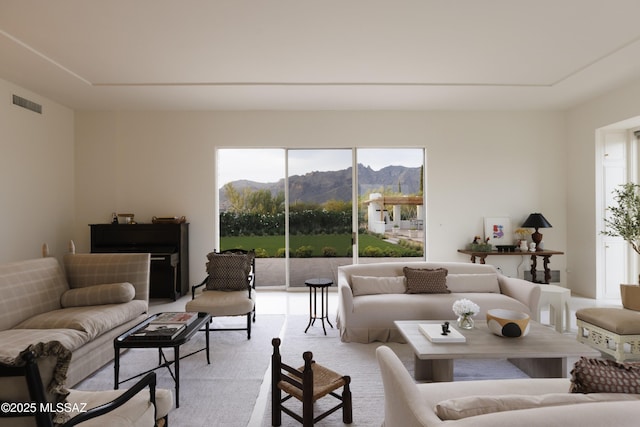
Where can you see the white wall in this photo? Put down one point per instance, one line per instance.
(478, 164)
(36, 176)
(582, 124)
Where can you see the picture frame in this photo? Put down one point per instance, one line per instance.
(498, 231)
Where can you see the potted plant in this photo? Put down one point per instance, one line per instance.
(624, 221)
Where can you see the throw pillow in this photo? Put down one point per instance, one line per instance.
(229, 271)
(485, 283)
(110, 293)
(605, 376)
(372, 285)
(426, 281)
(471, 406)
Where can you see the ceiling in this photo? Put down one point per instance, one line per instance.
(319, 54)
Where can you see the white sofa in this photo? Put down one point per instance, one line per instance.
(369, 298)
(536, 402)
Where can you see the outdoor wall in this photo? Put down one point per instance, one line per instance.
(36, 176)
(582, 123)
(499, 164)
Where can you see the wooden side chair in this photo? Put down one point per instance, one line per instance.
(131, 407)
(229, 288)
(307, 384)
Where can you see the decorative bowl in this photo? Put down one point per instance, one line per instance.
(508, 323)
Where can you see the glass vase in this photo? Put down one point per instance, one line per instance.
(465, 322)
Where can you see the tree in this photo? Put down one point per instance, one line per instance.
(624, 219)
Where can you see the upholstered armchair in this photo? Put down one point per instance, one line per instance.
(228, 289)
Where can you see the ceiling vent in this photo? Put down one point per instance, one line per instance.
(25, 103)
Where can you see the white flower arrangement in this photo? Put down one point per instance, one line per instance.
(465, 307)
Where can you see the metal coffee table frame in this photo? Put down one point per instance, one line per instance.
(127, 341)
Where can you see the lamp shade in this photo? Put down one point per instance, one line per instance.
(536, 220)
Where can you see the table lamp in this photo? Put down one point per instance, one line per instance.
(536, 220)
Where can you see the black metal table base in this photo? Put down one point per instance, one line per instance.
(322, 285)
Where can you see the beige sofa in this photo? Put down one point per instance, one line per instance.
(96, 298)
(371, 297)
(494, 403)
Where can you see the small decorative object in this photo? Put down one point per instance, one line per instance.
(522, 234)
(127, 218)
(479, 246)
(114, 218)
(168, 220)
(508, 323)
(465, 310)
(445, 328)
(532, 247)
(523, 246)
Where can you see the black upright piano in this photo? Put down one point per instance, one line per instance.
(168, 245)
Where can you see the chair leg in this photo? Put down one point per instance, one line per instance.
(276, 394)
(347, 409)
(249, 326)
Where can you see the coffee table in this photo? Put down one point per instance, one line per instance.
(126, 340)
(543, 353)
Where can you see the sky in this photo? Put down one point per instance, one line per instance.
(268, 165)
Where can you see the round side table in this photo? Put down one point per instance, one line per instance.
(314, 285)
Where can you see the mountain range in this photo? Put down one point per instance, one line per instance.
(319, 186)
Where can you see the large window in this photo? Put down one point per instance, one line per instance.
(303, 213)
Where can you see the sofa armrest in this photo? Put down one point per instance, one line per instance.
(84, 270)
(524, 291)
(345, 298)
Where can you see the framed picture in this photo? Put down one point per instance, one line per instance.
(498, 231)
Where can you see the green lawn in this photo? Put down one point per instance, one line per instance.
(340, 242)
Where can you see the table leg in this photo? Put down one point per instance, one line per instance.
(207, 341)
(436, 370)
(547, 270)
(310, 310)
(553, 367)
(176, 357)
(322, 312)
(326, 300)
(534, 265)
(116, 368)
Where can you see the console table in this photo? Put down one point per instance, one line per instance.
(545, 254)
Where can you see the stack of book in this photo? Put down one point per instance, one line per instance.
(166, 326)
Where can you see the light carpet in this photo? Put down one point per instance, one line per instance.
(234, 390)
(359, 362)
(223, 393)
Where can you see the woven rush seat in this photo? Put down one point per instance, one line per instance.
(614, 331)
(324, 382)
(307, 384)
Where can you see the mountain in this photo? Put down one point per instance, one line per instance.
(317, 187)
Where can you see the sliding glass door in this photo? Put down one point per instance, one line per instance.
(298, 208)
(251, 208)
(391, 212)
(320, 193)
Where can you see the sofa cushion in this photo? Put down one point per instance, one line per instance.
(470, 406)
(372, 285)
(605, 376)
(111, 293)
(94, 320)
(473, 283)
(16, 340)
(426, 281)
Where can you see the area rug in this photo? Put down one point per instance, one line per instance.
(234, 390)
(223, 393)
(359, 362)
